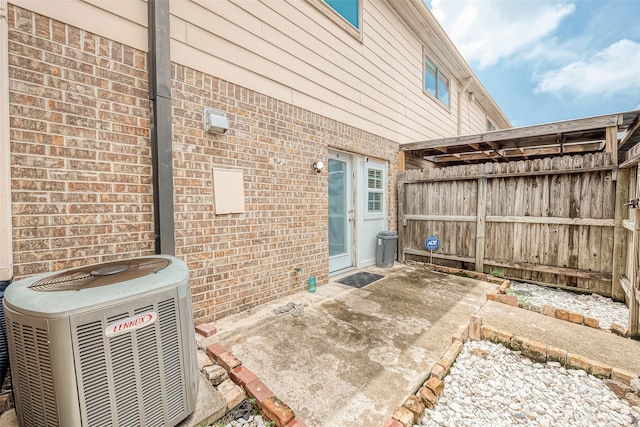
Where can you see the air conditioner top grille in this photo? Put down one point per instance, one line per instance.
(78, 290)
(100, 275)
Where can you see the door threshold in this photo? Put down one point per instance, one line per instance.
(339, 272)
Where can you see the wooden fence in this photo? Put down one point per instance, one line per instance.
(548, 220)
(626, 269)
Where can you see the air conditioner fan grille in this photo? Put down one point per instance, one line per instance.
(100, 275)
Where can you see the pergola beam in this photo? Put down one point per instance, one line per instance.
(545, 130)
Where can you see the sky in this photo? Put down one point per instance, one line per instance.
(544, 60)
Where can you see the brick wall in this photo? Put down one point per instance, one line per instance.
(80, 152)
(81, 169)
(246, 259)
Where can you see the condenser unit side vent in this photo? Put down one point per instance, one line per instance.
(171, 355)
(34, 371)
(149, 374)
(94, 374)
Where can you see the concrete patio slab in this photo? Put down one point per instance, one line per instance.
(355, 354)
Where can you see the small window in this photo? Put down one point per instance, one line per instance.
(490, 126)
(435, 82)
(375, 190)
(348, 9)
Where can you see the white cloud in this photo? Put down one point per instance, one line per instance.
(487, 31)
(612, 70)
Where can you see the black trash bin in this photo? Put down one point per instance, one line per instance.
(386, 248)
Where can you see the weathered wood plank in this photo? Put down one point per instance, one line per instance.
(621, 196)
(611, 143)
(402, 230)
(595, 236)
(550, 129)
(439, 255)
(552, 220)
(554, 285)
(586, 274)
(446, 218)
(481, 214)
(634, 303)
(437, 176)
(625, 284)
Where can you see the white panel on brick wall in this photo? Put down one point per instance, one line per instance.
(228, 191)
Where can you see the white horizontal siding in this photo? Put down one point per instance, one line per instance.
(474, 118)
(289, 50)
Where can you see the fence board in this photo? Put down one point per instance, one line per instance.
(548, 220)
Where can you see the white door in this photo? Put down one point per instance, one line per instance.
(341, 220)
(372, 209)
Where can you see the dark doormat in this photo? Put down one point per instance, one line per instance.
(359, 280)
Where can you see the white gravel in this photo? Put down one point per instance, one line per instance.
(490, 385)
(602, 308)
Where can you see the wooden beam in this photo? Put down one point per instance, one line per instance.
(401, 220)
(611, 143)
(619, 234)
(563, 271)
(552, 220)
(628, 224)
(481, 215)
(401, 161)
(573, 272)
(554, 285)
(518, 152)
(516, 174)
(439, 256)
(480, 155)
(514, 219)
(611, 147)
(456, 218)
(630, 131)
(631, 157)
(549, 129)
(634, 274)
(626, 286)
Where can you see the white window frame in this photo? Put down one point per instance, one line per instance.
(340, 20)
(490, 126)
(439, 72)
(382, 191)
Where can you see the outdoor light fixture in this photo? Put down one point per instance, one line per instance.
(215, 121)
(318, 166)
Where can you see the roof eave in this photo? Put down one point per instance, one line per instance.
(421, 21)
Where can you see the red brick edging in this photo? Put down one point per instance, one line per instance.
(272, 407)
(427, 395)
(548, 310)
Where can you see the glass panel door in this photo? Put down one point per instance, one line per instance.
(340, 223)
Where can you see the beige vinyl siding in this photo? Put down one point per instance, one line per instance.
(290, 51)
(474, 118)
(121, 21)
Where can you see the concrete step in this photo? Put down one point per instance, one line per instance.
(595, 344)
(210, 405)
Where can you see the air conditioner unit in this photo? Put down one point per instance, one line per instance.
(105, 345)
